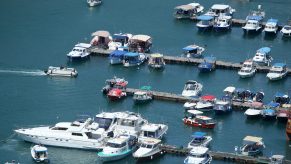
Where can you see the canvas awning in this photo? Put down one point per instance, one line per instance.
(253, 139)
(104, 34)
(143, 38)
(185, 7)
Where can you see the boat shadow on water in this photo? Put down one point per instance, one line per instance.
(253, 35)
(270, 37)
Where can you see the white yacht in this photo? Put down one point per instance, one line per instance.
(93, 3)
(248, 69)
(148, 149)
(199, 139)
(220, 9)
(61, 71)
(277, 72)
(80, 51)
(192, 88)
(82, 133)
(189, 105)
(198, 155)
(271, 26)
(151, 130)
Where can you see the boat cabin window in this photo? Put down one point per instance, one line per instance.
(115, 145)
(199, 155)
(77, 134)
(147, 146)
(204, 22)
(127, 123)
(92, 135)
(103, 122)
(149, 134)
(59, 128)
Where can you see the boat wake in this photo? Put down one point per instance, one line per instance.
(23, 72)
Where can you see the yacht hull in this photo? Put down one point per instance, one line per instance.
(151, 156)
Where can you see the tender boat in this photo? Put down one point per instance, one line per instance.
(205, 103)
(222, 23)
(193, 51)
(199, 139)
(151, 130)
(286, 30)
(140, 43)
(79, 51)
(119, 42)
(189, 11)
(198, 155)
(277, 159)
(283, 115)
(195, 119)
(133, 59)
(116, 57)
(217, 10)
(262, 56)
(101, 39)
(117, 148)
(253, 24)
(206, 22)
(208, 64)
(61, 71)
(269, 114)
(143, 96)
(116, 94)
(192, 88)
(253, 113)
(223, 105)
(39, 153)
(93, 3)
(248, 69)
(148, 149)
(288, 129)
(271, 26)
(115, 82)
(252, 146)
(156, 61)
(278, 71)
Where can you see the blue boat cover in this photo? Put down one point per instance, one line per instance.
(269, 111)
(205, 17)
(280, 94)
(117, 53)
(226, 97)
(117, 36)
(279, 65)
(198, 134)
(264, 50)
(272, 21)
(255, 17)
(273, 104)
(188, 48)
(131, 54)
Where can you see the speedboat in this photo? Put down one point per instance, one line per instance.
(151, 130)
(283, 115)
(252, 146)
(286, 30)
(269, 114)
(253, 113)
(199, 139)
(206, 22)
(39, 153)
(119, 42)
(156, 61)
(194, 118)
(116, 57)
(205, 103)
(193, 51)
(143, 96)
(217, 10)
(189, 105)
(198, 155)
(248, 69)
(288, 129)
(277, 72)
(271, 26)
(133, 59)
(61, 71)
(192, 88)
(118, 148)
(93, 3)
(253, 24)
(140, 43)
(116, 94)
(189, 11)
(115, 82)
(208, 64)
(101, 39)
(80, 51)
(262, 56)
(222, 106)
(222, 23)
(148, 149)
(84, 133)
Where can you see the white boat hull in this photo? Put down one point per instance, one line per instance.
(273, 77)
(246, 75)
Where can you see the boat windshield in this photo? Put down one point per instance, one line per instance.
(190, 87)
(205, 22)
(149, 134)
(199, 155)
(196, 141)
(103, 122)
(147, 146)
(126, 122)
(115, 145)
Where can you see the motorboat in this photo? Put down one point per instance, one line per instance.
(277, 159)
(217, 10)
(156, 61)
(229, 91)
(61, 71)
(222, 23)
(190, 104)
(140, 43)
(149, 149)
(119, 42)
(252, 146)
(288, 129)
(80, 51)
(269, 114)
(271, 26)
(198, 155)
(117, 148)
(223, 105)
(143, 96)
(286, 29)
(206, 22)
(199, 139)
(93, 3)
(193, 50)
(151, 130)
(116, 94)
(281, 98)
(194, 118)
(116, 57)
(115, 82)
(253, 113)
(283, 115)
(262, 56)
(133, 59)
(278, 71)
(259, 96)
(189, 11)
(101, 39)
(192, 88)
(208, 64)
(243, 95)
(206, 103)
(39, 153)
(253, 24)
(248, 69)
(84, 133)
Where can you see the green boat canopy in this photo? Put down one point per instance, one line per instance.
(146, 88)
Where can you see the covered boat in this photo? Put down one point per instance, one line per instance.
(93, 3)
(80, 51)
(271, 26)
(194, 118)
(253, 113)
(205, 103)
(252, 146)
(259, 96)
(229, 91)
(151, 130)
(262, 56)
(39, 153)
(278, 71)
(189, 11)
(206, 22)
(193, 51)
(248, 69)
(116, 56)
(208, 64)
(61, 71)
(217, 10)
(156, 61)
(253, 24)
(133, 59)
(101, 39)
(222, 23)
(192, 88)
(116, 94)
(269, 114)
(198, 155)
(281, 98)
(149, 149)
(140, 43)
(199, 139)
(144, 95)
(119, 42)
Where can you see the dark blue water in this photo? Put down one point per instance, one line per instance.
(36, 34)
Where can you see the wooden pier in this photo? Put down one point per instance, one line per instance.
(190, 61)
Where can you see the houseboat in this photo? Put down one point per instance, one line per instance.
(119, 42)
(193, 50)
(217, 10)
(189, 11)
(278, 71)
(140, 43)
(101, 39)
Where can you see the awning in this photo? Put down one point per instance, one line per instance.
(143, 38)
(104, 34)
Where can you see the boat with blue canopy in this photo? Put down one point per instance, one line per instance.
(271, 26)
(193, 50)
(199, 139)
(206, 22)
(262, 56)
(269, 114)
(119, 42)
(253, 24)
(116, 57)
(208, 64)
(282, 98)
(278, 71)
(273, 104)
(133, 59)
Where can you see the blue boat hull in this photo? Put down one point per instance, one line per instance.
(115, 60)
(205, 69)
(113, 157)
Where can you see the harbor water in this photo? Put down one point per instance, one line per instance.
(37, 34)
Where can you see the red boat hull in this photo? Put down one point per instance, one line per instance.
(196, 124)
(113, 98)
(288, 129)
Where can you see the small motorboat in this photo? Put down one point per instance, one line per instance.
(189, 11)
(206, 22)
(80, 51)
(140, 43)
(283, 115)
(223, 105)
(133, 59)
(116, 94)
(194, 118)
(39, 153)
(286, 30)
(252, 146)
(149, 149)
(277, 159)
(248, 69)
(271, 26)
(259, 96)
(281, 98)
(61, 71)
(278, 71)
(288, 129)
(93, 3)
(229, 91)
(116, 57)
(156, 61)
(217, 10)
(192, 88)
(199, 139)
(262, 56)
(208, 64)
(101, 39)
(253, 113)
(205, 103)
(119, 42)
(151, 130)
(189, 105)
(222, 23)
(115, 82)
(193, 51)
(269, 114)
(198, 155)
(254, 24)
(143, 96)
